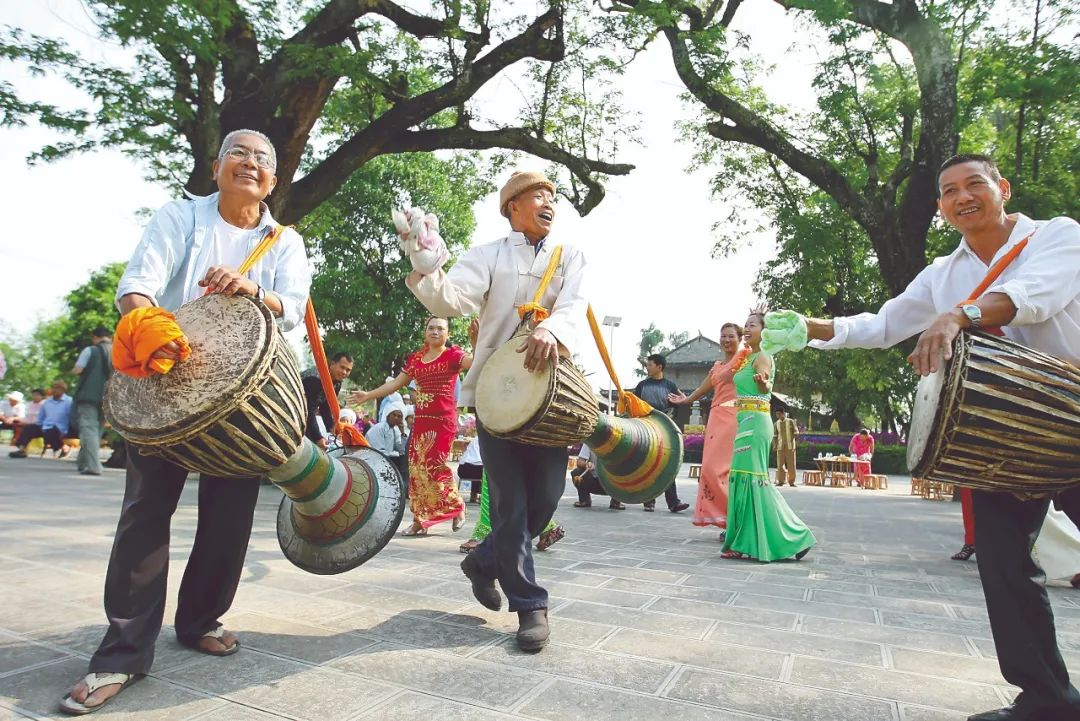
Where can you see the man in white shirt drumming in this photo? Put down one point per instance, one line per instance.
(1036, 302)
(526, 481)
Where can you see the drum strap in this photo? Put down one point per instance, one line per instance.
(539, 312)
(311, 323)
(991, 275)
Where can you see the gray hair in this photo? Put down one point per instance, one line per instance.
(226, 143)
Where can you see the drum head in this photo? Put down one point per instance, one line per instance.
(228, 338)
(371, 516)
(923, 416)
(507, 395)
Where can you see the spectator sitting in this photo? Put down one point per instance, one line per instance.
(13, 413)
(586, 481)
(52, 423)
(471, 468)
(387, 438)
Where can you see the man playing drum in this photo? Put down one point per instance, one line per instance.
(526, 481)
(1036, 302)
(191, 247)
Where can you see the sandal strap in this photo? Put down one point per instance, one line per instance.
(94, 681)
(218, 632)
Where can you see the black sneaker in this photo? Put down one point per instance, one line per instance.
(680, 506)
(17, 454)
(650, 506)
(483, 588)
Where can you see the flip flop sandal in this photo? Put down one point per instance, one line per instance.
(95, 681)
(459, 521)
(731, 555)
(469, 546)
(414, 530)
(549, 539)
(219, 634)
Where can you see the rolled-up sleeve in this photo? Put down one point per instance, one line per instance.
(158, 255)
(907, 314)
(568, 315)
(457, 293)
(292, 279)
(1050, 278)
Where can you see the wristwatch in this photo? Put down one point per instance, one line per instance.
(973, 313)
(260, 293)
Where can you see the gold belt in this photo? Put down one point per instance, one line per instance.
(747, 404)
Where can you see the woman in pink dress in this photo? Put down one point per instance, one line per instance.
(712, 498)
(433, 494)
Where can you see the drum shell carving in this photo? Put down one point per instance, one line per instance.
(253, 427)
(999, 417)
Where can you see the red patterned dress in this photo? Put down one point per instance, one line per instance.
(433, 495)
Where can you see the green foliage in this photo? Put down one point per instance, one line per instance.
(654, 340)
(359, 288)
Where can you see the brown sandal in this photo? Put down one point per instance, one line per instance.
(416, 529)
(469, 546)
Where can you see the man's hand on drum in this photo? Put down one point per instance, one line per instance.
(227, 281)
(540, 347)
(936, 341)
(169, 351)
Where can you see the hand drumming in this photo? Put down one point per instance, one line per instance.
(539, 348)
(228, 282)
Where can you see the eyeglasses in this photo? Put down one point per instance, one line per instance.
(239, 154)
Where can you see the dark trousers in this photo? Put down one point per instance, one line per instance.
(671, 495)
(474, 474)
(525, 485)
(135, 584)
(53, 437)
(1019, 608)
(587, 484)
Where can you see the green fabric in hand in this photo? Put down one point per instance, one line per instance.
(784, 330)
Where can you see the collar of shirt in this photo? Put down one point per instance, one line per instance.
(266, 220)
(515, 238)
(1024, 226)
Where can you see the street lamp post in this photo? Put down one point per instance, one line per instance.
(612, 321)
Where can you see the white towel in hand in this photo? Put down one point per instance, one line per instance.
(421, 242)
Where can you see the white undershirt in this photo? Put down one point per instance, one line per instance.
(229, 247)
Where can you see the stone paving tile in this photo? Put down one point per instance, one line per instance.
(84, 640)
(721, 612)
(7, 714)
(625, 672)
(777, 700)
(923, 640)
(496, 686)
(230, 711)
(917, 713)
(303, 642)
(642, 620)
(826, 584)
(40, 690)
(566, 700)
(260, 599)
(706, 654)
(18, 653)
(884, 603)
(605, 594)
(376, 597)
(691, 593)
(734, 585)
(563, 630)
(809, 608)
(965, 668)
(281, 686)
(411, 705)
(33, 615)
(920, 622)
(643, 574)
(430, 634)
(894, 685)
(829, 647)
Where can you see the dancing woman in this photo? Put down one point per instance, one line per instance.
(761, 525)
(433, 495)
(711, 508)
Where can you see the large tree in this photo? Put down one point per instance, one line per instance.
(405, 80)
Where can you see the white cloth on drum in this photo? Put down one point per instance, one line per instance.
(1058, 548)
(495, 279)
(1043, 282)
(165, 264)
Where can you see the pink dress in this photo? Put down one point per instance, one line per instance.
(712, 499)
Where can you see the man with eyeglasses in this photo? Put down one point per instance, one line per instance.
(191, 247)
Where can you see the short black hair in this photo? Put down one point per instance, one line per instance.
(658, 359)
(39, 391)
(101, 332)
(339, 355)
(986, 160)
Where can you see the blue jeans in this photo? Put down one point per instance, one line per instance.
(526, 483)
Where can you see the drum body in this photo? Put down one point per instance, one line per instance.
(637, 458)
(339, 509)
(999, 417)
(236, 407)
(553, 407)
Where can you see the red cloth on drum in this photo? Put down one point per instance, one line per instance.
(433, 495)
(139, 335)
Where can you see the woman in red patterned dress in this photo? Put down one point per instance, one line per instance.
(433, 495)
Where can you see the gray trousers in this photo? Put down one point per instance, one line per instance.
(89, 458)
(135, 584)
(525, 485)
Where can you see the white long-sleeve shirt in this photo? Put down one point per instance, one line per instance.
(1043, 283)
(494, 280)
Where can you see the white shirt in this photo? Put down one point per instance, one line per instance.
(494, 280)
(10, 412)
(33, 408)
(586, 454)
(1043, 283)
(385, 439)
(84, 357)
(472, 453)
(228, 247)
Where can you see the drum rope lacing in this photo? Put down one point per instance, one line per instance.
(629, 403)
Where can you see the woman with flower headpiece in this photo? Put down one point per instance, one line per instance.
(433, 495)
(760, 524)
(712, 499)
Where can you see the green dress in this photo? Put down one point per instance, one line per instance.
(760, 522)
(553, 532)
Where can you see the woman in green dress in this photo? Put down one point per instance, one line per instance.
(761, 525)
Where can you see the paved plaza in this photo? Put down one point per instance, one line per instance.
(877, 624)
